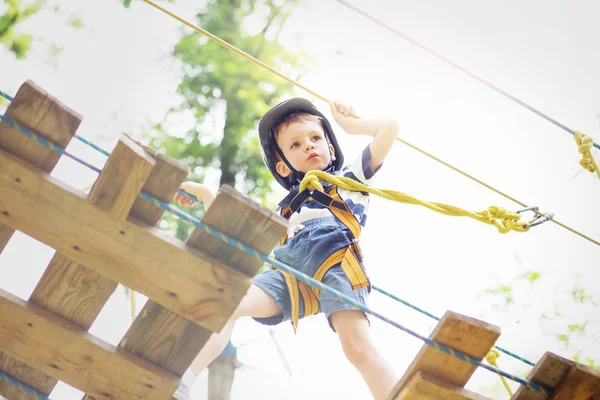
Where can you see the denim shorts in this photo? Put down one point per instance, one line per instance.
(273, 283)
(305, 252)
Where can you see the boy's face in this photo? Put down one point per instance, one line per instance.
(304, 146)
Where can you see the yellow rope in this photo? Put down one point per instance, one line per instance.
(491, 358)
(503, 220)
(299, 85)
(585, 144)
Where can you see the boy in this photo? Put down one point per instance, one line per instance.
(322, 240)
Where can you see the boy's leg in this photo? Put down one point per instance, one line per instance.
(352, 328)
(256, 303)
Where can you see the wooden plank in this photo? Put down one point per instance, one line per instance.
(252, 224)
(174, 275)
(42, 113)
(165, 338)
(163, 182)
(568, 379)
(581, 383)
(69, 289)
(461, 333)
(68, 353)
(548, 372)
(5, 235)
(168, 340)
(25, 374)
(425, 387)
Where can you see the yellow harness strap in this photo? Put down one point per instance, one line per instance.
(350, 258)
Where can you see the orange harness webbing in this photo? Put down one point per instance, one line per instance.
(350, 257)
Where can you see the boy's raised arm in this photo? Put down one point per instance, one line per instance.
(383, 131)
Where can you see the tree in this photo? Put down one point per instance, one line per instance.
(16, 13)
(219, 88)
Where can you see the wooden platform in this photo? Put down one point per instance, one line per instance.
(434, 375)
(103, 238)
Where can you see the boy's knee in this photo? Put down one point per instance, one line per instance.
(356, 349)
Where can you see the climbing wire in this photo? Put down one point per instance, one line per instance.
(309, 280)
(406, 303)
(27, 389)
(458, 67)
(299, 85)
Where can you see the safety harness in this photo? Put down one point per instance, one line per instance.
(350, 257)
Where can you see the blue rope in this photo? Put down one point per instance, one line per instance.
(458, 67)
(406, 303)
(23, 387)
(314, 283)
(42, 140)
(61, 150)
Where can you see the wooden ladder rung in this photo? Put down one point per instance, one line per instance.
(461, 333)
(237, 216)
(51, 119)
(568, 380)
(426, 387)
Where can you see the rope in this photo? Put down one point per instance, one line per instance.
(265, 66)
(406, 303)
(492, 357)
(584, 145)
(29, 133)
(458, 67)
(27, 389)
(314, 283)
(503, 220)
(24, 130)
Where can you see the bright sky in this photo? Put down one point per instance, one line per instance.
(117, 73)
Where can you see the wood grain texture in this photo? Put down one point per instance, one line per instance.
(68, 353)
(566, 378)
(461, 333)
(48, 117)
(151, 262)
(425, 387)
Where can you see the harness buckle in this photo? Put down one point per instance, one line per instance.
(538, 218)
(355, 248)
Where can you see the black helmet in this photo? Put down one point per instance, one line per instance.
(266, 128)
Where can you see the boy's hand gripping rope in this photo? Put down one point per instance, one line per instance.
(584, 145)
(503, 220)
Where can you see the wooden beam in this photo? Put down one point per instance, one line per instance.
(252, 224)
(425, 387)
(169, 340)
(48, 117)
(164, 338)
(5, 235)
(42, 113)
(25, 374)
(163, 182)
(174, 275)
(66, 352)
(73, 291)
(568, 379)
(581, 383)
(461, 333)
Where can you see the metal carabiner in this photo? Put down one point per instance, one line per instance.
(538, 218)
